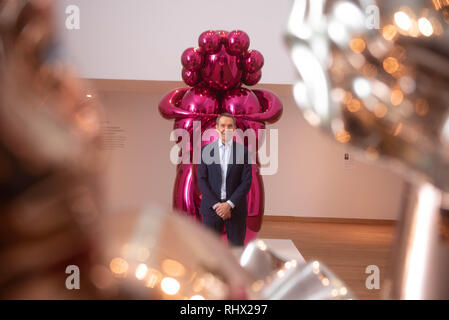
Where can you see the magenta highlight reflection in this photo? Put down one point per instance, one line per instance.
(215, 71)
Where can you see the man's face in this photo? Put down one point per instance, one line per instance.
(226, 128)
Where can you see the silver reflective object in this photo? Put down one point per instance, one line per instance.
(163, 255)
(374, 75)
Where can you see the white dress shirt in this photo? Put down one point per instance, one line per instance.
(225, 152)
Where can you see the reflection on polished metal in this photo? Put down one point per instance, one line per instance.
(216, 71)
(259, 260)
(49, 142)
(312, 281)
(162, 255)
(420, 271)
(279, 279)
(374, 75)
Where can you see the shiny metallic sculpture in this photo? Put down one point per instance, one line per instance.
(154, 258)
(216, 70)
(375, 75)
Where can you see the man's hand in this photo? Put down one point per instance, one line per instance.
(223, 210)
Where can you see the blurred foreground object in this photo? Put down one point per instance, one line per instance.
(374, 75)
(162, 255)
(49, 143)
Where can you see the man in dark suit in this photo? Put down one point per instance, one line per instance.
(224, 179)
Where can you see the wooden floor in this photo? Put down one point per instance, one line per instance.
(346, 248)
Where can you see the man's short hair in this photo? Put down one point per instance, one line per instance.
(226, 114)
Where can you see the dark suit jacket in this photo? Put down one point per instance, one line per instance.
(238, 178)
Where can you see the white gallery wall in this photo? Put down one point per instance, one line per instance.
(144, 39)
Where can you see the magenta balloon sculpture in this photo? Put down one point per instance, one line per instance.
(216, 71)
